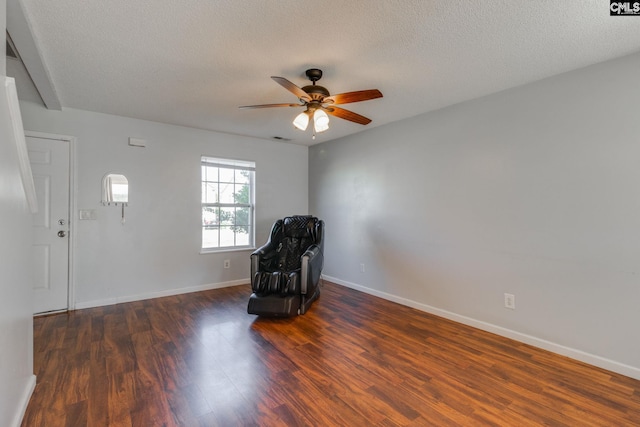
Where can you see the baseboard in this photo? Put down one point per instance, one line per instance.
(573, 353)
(24, 401)
(159, 294)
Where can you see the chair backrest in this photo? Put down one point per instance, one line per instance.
(297, 234)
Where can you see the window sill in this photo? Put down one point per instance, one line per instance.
(224, 250)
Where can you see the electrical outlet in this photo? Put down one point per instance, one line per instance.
(510, 301)
(362, 268)
(227, 263)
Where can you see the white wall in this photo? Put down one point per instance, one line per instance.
(16, 325)
(156, 252)
(533, 191)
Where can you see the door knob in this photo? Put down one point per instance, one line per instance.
(62, 233)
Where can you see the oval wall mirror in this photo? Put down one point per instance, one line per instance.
(115, 189)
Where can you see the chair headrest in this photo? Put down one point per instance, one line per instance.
(299, 226)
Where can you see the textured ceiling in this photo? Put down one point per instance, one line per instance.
(193, 62)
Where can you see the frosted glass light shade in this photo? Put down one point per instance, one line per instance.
(320, 121)
(301, 121)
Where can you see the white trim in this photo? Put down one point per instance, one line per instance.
(48, 313)
(20, 29)
(592, 359)
(219, 162)
(73, 193)
(160, 294)
(24, 402)
(226, 249)
(45, 135)
(21, 145)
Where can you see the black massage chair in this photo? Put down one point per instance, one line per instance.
(285, 272)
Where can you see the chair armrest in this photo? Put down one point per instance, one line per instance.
(267, 250)
(312, 262)
(264, 249)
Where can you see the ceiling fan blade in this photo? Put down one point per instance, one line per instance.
(357, 96)
(292, 88)
(271, 105)
(347, 115)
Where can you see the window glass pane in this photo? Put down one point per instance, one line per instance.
(209, 173)
(227, 216)
(210, 237)
(210, 216)
(227, 236)
(210, 192)
(242, 216)
(242, 239)
(242, 177)
(226, 193)
(226, 175)
(241, 194)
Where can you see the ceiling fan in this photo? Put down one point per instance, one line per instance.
(319, 102)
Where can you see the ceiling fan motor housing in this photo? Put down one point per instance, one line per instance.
(316, 92)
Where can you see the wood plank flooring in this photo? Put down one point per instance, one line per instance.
(353, 360)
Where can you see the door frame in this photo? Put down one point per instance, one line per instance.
(73, 191)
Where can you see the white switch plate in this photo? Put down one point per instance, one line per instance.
(88, 214)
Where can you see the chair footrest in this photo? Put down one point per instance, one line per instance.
(274, 305)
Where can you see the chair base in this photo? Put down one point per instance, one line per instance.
(274, 305)
(278, 306)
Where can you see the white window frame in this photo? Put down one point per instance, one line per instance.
(235, 165)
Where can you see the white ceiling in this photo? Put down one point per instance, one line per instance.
(193, 62)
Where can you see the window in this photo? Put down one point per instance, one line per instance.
(227, 203)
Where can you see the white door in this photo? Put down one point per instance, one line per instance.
(49, 160)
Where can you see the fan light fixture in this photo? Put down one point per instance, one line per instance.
(302, 120)
(320, 120)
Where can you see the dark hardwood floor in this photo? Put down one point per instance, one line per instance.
(353, 360)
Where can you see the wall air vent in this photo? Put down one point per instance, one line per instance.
(281, 138)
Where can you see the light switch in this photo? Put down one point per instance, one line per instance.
(88, 214)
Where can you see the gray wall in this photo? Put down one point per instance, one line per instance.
(157, 251)
(533, 191)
